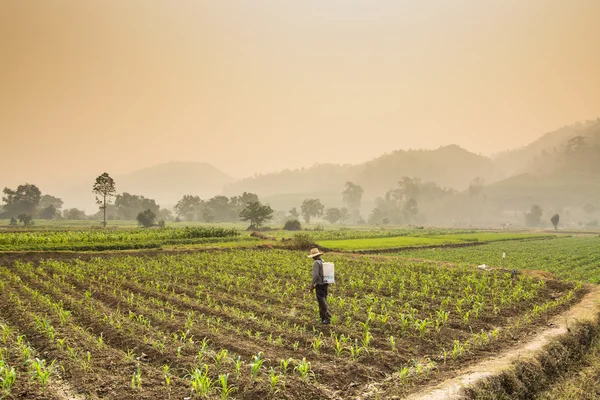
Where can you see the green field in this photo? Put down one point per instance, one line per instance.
(385, 243)
(116, 239)
(244, 320)
(567, 257)
(425, 239)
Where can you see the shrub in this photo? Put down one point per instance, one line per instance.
(292, 225)
(301, 241)
(146, 218)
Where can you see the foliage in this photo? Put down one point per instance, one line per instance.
(292, 225)
(26, 219)
(24, 200)
(568, 257)
(74, 214)
(352, 196)
(104, 189)
(49, 212)
(114, 239)
(257, 214)
(311, 208)
(534, 216)
(555, 220)
(333, 215)
(129, 205)
(294, 213)
(146, 218)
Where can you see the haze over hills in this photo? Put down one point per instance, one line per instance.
(544, 172)
(522, 160)
(166, 183)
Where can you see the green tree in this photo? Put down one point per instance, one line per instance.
(534, 216)
(189, 207)
(476, 187)
(410, 209)
(24, 200)
(47, 201)
(294, 213)
(165, 214)
(409, 188)
(311, 208)
(74, 214)
(257, 214)
(352, 196)
(146, 218)
(104, 189)
(555, 220)
(333, 215)
(49, 212)
(130, 205)
(26, 219)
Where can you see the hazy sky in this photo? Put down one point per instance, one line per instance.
(254, 86)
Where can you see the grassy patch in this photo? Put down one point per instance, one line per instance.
(495, 237)
(385, 243)
(569, 257)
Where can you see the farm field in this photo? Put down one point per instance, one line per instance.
(90, 240)
(425, 239)
(242, 324)
(567, 257)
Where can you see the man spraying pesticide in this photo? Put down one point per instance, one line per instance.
(322, 276)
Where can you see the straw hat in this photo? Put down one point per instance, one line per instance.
(314, 252)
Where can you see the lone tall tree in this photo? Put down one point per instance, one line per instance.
(104, 189)
(555, 220)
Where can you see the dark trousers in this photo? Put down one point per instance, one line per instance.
(321, 291)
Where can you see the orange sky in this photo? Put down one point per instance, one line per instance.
(256, 85)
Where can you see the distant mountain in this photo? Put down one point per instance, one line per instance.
(448, 166)
(167, 183)
(525, 159)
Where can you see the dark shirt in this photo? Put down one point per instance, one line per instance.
(317, 274)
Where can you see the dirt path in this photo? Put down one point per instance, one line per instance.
(586, 309)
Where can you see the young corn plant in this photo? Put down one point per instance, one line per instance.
(392, 341)
(316, 344)
(274, 380)
(403, 374)
(356, 350)
(136, 378)
(304, 368)
(256, 365)
(284, 365)
(41, 371)
(224, 388)
(339, 347)
(8, 376)
(166, 370)
(238, 367)
(200, 382)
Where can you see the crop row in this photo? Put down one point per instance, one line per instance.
(245, 320)
(575, 258)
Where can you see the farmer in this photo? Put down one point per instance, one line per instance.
(319, 285)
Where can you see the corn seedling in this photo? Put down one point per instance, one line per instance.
(256, 365)
(304, 369)
(224, 388)
(41, 371)
(136, 378)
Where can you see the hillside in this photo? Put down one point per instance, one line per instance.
(525, 159)
(449, 166)
(167, 183)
